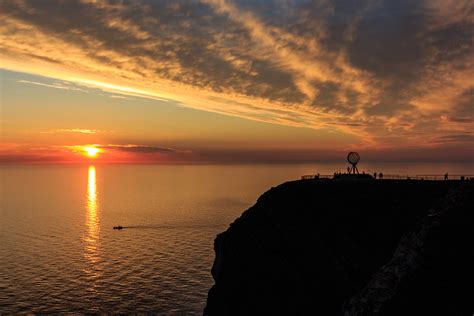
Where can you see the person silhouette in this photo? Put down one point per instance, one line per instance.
(375, 175)
(380, 175)
(446, 176)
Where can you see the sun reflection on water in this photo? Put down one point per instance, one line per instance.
(91, 237)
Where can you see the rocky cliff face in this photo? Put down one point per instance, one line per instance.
(364, 247)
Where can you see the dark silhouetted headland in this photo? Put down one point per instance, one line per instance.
(349, 247)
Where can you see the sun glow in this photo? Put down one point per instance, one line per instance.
(91, 151)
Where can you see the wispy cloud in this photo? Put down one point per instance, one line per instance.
(140, 149)
(72, 130)
(79, 130)
(56, 85)
(127, 148)
(455, 138)
(96, 87)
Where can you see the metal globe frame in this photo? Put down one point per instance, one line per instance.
(353, 158)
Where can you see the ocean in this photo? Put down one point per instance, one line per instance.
(59, 251)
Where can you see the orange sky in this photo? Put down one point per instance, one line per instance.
(230, 81)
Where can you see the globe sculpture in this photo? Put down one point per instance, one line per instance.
(353, 158)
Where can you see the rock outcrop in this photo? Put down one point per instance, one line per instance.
(341, 247)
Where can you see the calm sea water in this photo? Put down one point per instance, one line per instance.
(59, 253)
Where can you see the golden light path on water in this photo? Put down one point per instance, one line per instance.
(91, 237)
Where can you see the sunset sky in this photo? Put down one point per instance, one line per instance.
(236, 81)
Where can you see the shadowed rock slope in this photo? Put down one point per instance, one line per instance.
(337, 247)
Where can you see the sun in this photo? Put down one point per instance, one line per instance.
(91, 151)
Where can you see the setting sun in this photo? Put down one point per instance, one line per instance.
(91, 151)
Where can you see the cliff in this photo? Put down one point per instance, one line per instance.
(341, 247)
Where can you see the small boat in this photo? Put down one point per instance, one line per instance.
(118, 227)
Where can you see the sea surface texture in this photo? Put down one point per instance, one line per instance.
(60, 253)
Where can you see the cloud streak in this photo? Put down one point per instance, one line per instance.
(139, 149)
(56, 85)
(78, 130)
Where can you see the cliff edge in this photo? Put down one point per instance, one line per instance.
(341, 247)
